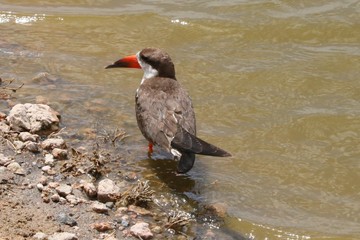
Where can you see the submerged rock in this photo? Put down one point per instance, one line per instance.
(141, 230)
(34, 118)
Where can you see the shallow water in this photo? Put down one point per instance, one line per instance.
(274, 82)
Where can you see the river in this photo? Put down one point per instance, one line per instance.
(274, 82)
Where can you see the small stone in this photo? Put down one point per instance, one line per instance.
(40, 236)
(121, 211)
(125, 221)
(53, 184)
(40, 187)
(103, 226)
(43, 180)
(4, 161)
(156, 229)
(26, 136)
(108, 191)
(63, 236)
(141, 230)
(131, 176)
(72, 199)
(46, 168)
(60, 154)
(19, 145)
(55, 197)
(16, 168)
(45, 198)
(65, 219)
(99, 207)
(51, 172)
(63, 190)
(52, 143)
(49, 159)
(4, 128)
(109, 205)
(32, 147)
(140, 210)
(63, 200)
(90, 189)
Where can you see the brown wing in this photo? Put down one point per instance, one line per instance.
(162, 108)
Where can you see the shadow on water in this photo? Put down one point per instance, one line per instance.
(165, 170)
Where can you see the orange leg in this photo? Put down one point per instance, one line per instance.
(150, 148)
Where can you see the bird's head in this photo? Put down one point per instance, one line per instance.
(154, 62)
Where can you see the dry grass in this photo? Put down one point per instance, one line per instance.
(139, 195)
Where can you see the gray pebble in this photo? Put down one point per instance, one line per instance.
(65, 219)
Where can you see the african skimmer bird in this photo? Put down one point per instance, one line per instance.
(164, 111)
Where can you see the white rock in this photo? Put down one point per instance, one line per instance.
(141, 229)
(4, 161)
(99, 207)
(16, 168)
(32, 146)
(40, 187)
(52, 143)
(26, 136)
(19, 145)
(89, 189)
(40, 236)
(73, 200)
(4, 127)
(63, 190)
(45, 168)
(36, 118)
(63, 236)
(107, 191)
(49, 159)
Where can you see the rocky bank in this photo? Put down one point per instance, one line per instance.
(52, 190)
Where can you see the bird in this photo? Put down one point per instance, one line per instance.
(164, 110)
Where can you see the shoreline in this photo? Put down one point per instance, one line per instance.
(58, 189)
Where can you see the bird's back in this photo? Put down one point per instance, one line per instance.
(162, 106)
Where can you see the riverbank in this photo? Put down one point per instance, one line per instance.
(53, 186)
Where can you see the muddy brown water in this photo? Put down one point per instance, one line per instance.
(274, 82)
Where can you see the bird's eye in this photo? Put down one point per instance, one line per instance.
(145, 58)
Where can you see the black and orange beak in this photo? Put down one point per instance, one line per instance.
(126, 62)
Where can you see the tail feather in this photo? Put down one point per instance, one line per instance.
(186, 162)
(187, 142)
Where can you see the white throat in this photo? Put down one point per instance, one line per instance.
(149, 71)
